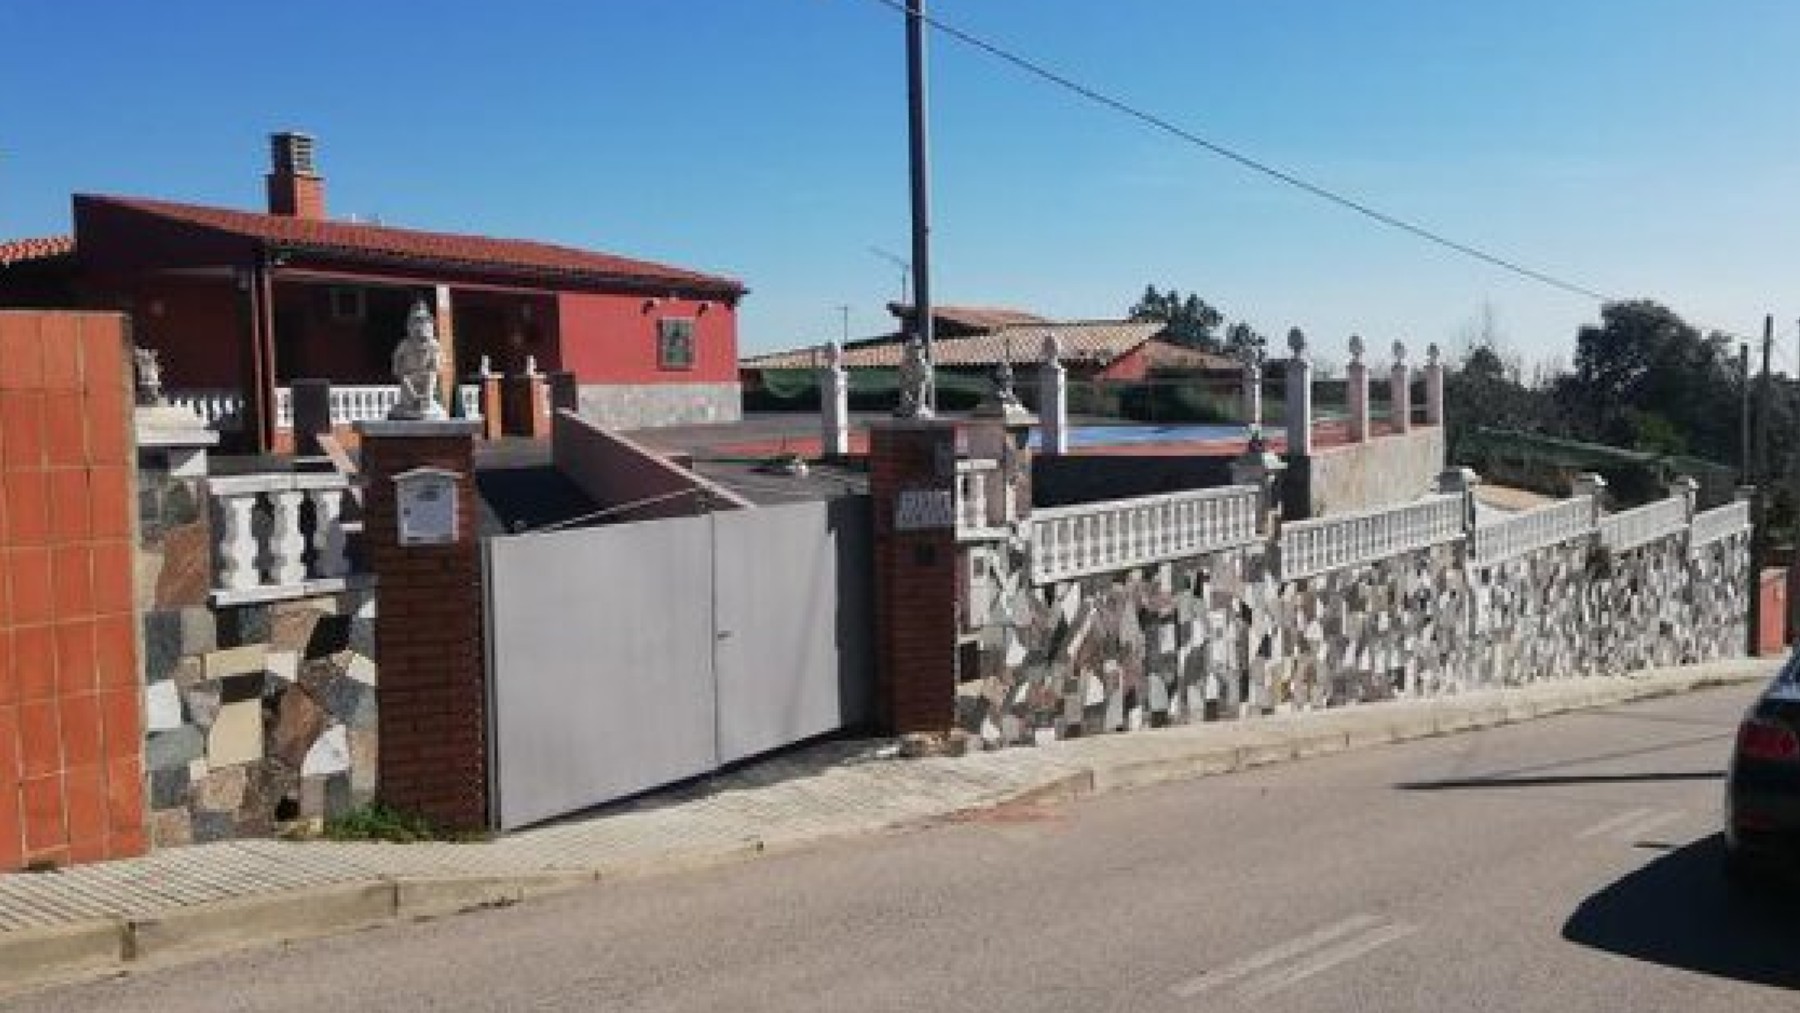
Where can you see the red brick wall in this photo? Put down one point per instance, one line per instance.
(71, 778)
(428, 639)
(915, 584)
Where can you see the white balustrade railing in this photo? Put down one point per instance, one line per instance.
(223, 408)
(1645, 524)
(1531, 530)
(1074, 541)
(267, 547)
(1328, 543)
(1719, 523)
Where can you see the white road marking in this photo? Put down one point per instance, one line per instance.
(1609, 825)
(1273, 955)
(1326, 959)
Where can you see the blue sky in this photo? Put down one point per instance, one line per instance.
(1637, 147)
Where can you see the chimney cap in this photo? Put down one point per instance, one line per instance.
(291, 152)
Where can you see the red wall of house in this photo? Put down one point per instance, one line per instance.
(1133, 365)
(71, 738)
(612, 338)
(198, 328)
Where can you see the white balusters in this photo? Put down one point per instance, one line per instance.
(1119, 534)
(236, 546)
(268, 548)
(1327, 543)
(329, 537)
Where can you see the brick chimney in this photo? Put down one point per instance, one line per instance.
(295, 189)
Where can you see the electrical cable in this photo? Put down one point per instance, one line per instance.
(1038, 70)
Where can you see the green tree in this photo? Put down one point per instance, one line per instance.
(1190, 320)
(1644, 377)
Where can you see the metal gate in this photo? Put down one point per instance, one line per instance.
(628, 657)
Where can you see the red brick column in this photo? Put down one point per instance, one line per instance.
(493, 408)
(431, 691)
(912, 482)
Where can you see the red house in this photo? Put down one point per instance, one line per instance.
(241, 303)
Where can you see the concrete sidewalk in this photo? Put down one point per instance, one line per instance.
(198, 900)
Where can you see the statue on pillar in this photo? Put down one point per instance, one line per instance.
(915, 382)
(416, 362)
(147, 370)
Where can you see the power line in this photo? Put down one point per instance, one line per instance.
(1317, 190)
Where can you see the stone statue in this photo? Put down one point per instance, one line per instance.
(147, 365)
(1399, 353)
(915, 382)
(1356, 349)
(486, 368)
(1296, 339)
(416, 361)
(531, 365)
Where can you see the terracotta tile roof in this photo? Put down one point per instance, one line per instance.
(14, 251)
(1090, 342)
(351, 239)
(974, 318)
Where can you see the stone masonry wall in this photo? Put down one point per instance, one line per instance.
(257, 717)
(1219, 636)
(647, 405)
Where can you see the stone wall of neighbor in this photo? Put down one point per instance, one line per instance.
(1220, 636)
(257, 717)
(1392, 469)
(647, 405)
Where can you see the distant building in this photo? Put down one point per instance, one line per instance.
(977, 339)
(244, 302)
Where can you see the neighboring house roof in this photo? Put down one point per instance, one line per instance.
(17, 251)
(974, 318)
(353, 240)
(1094, 342)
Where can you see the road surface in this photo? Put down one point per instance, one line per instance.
(1561, 865)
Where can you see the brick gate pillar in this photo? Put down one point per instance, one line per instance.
(419, 529)
(912, 483)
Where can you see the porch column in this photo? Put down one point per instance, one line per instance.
(445, 319)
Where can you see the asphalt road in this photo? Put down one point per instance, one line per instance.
(1562, 865)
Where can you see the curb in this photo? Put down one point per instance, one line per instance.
(32, 958)
(61, 954)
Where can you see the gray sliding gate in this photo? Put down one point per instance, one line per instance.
(627, 657)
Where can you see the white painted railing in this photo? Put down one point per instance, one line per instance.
(976, 480)
(1328, 543)
(1074, 541)
(1719, 523)
(1645, 524)
(223, 408)
(1531, 530)
(265, 546)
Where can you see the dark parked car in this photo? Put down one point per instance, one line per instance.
(1762, 789)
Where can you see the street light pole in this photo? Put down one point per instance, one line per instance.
(921, 190)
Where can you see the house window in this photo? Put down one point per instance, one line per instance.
(347, 305)
(675, 343)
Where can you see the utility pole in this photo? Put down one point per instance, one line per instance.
(1744, 398)
(1763, 393)
(844, 310)
(921, 189)
(905, 272)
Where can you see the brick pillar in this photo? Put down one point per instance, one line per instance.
(912, 476)
(526, 409)
(432, 693)
(493, 410)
